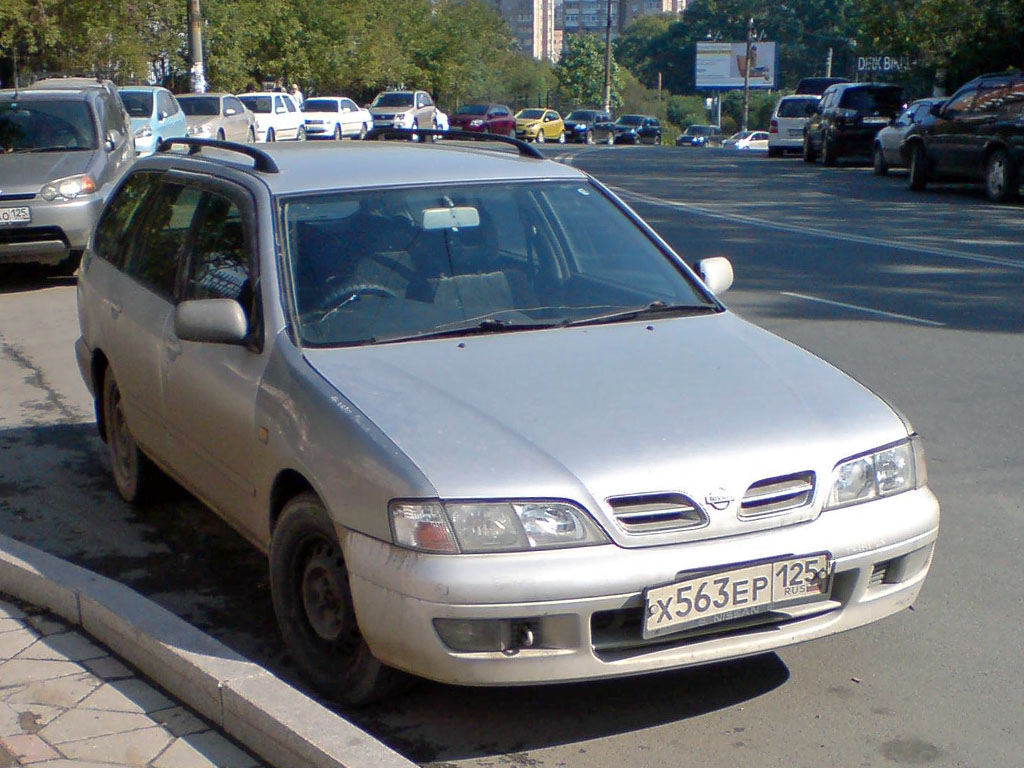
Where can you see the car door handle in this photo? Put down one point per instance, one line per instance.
(173, 349)
(115, 309)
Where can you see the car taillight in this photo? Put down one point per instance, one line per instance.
(773, 127)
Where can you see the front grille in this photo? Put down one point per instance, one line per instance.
(656, 512)
(879, 574)
(778, 494)
(12, 198)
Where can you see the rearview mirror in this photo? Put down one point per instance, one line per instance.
(214, 321)
(716, 272)
(450, 218)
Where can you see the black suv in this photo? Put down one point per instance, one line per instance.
(815, 86)
(847, 119)
(977, 135)
(579, 125)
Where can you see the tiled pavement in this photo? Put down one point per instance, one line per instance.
(67, 703)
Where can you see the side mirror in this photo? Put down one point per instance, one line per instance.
(279, 109)
(716, 272)
(213, 321)
(935, 110)
(161, 115)
(229, 111)
(110, 142)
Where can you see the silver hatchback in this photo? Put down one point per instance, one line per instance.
(488, 427)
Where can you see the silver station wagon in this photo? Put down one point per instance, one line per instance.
(488, 427)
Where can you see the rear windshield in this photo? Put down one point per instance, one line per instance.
(138, 103)
(472, 109)
(886, 101)
(797, 107)
(195, 106)
(582, 115)
(259, 104)
(393, 100)
(320, 105)
(631, 119)
(46, 126)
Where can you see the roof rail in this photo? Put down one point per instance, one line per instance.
(525, 149)
(263, 162)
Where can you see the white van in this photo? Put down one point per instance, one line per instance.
(786, 130)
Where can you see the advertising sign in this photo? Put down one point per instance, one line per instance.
(723, 65)
(884, 63)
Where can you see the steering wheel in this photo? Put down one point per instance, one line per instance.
(336, 298)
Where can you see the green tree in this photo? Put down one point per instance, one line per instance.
(580, 72)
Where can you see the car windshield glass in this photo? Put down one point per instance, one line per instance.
(138, 103)
(531, 114)
(46, 125)
(581, 115)
(797, 107)
(378, 266)
(200, 106)
(393, 100)
(258, 104)
(630, 120)
(472, 109)
(872, 100)
(320, 105)
(698, 130)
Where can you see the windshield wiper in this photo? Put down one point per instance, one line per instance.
(654, 309)
(477, 328)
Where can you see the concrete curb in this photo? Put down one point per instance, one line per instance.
(269, 717)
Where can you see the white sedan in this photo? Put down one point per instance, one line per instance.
(757, 140)
(277, 117)
(335, 117)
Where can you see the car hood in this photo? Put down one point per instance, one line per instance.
(700, 405)
(141, 122)
(26, 172)
(390, 110)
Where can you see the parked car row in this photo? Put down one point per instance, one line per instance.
(976, 135)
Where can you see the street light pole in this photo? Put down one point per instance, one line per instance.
(746, 73)
(608, 61)
(195, 48)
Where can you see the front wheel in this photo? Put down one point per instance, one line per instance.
(918, 176)
(251, 137)
(220, 135)
(300, 135)
(337, 132)
(828, 152)
(271, 136)
(589, 138)
(878, 161)
(363, 130)
(540, 137)
(1000, 179)
(610, 141)
(809, 154)
(313, 604)
(561, 138)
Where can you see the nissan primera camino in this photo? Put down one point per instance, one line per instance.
(488, 427)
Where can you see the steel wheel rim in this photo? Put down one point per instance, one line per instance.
(121, 442)
(996, 175)
(323, 601)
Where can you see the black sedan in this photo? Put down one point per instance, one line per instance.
(630, 129)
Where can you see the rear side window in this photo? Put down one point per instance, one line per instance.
(992, 98)
(797, 107)
(219, 267)
(872, 100)
(162, 238)
(115, 227)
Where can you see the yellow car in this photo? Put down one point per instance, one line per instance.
(540, 125)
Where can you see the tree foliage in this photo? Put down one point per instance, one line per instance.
(580, 72)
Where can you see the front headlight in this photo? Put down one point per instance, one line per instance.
(199, 131)
(475, 123)
(884, 472)
(499, 526)
(68, 188)
(144, 132)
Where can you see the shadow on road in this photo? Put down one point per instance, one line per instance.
(18, 278)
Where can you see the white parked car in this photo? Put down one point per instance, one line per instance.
(757, 140)
(335, 117)
(277, 117)
(786, 129)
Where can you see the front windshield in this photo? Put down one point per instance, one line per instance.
(393, 100)
(531, 114)
(472, 109)
(320, 105)
(200, 106)
(698, 130)
(383, 265)
(581, 115)
(258, 104)
(138, 103)
(46, 125)
(630, 120)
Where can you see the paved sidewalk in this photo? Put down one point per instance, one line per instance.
(67, 703)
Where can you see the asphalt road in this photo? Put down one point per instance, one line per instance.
(920, 296)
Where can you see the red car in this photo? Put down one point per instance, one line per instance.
(481, 118)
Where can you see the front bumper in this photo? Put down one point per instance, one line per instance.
(57, 228)
(583, 604)
(145, 147)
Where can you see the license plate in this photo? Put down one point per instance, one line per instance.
(20, 215)
(875, 120)
(741, 591)
(794, 132)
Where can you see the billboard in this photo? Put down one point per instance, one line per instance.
(723, 65)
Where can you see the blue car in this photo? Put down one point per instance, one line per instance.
(700, 136)
(155, 115)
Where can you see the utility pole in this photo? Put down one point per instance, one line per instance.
(828, 63)
(608, 61)
(746, 73)
(195, 48)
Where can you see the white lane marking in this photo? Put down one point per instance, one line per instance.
(869, 310)
(861, 239)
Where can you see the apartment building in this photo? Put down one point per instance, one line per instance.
(533, 24)
(591, 16)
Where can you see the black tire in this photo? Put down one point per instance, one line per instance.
(610, 140)
(774, 151)
(415, 127)
(1000, 177)
(251, 138)
(878, 161)
(588, 138)
(561, 138)
(220, 134)
(69, 266)
(540, 137)
(828, 152)
(337, 132)
(134, 474)
(300, 135)
(271, 135)
(809, 154)
(363, 130)
(313, 604)
(918, 176)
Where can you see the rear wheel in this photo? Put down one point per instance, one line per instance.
(415, 127)
(220, 135)
(809, 154)
(878, 161)
(1000, 179)
(774, 151)
(133, 472)
(300, 135)
(918, 177)
(610, 140)
(828, 152)
(589, 138)
(313, 603)
(337, 132)
(271, 136)
(251, 137)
